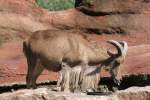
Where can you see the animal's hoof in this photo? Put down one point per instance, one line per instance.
(56, 89)
(90, 90)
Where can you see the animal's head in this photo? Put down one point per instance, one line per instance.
(115, 60)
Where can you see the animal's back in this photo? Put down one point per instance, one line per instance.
(58, 45)
(48, 43)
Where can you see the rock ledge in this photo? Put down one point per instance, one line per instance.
(132, 93)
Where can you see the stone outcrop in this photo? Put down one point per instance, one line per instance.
(118, 6)
(134, 93)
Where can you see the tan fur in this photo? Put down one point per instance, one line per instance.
(73, 80)
(70, 79)
(91, 79)
(49, 49)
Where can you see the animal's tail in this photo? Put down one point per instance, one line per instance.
(26, 49)
(31, 61)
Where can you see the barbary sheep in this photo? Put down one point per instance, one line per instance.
(49, 49)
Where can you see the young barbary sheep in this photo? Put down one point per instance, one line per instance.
(49, 49)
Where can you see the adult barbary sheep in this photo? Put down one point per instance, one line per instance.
(49, 49)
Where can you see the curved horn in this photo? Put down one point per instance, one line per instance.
(125, 48)
(117, 45)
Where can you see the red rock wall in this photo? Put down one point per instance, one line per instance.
(18, 18)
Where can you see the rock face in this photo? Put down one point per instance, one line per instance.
(141, 93)
(134, 93)
(18, 18)
(13, 66)
(118, 6)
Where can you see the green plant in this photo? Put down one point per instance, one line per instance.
(55, 5)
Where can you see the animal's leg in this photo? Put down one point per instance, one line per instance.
(66, 75)
(67, 80)
(61, 74)
(31, 61)
(84, 66)
(114, 73)
(75, 78)
(91, 79)
(64, 78)
(37, 71)
(59, 79)
(59, 82)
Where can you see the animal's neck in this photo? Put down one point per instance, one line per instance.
(97, 55)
